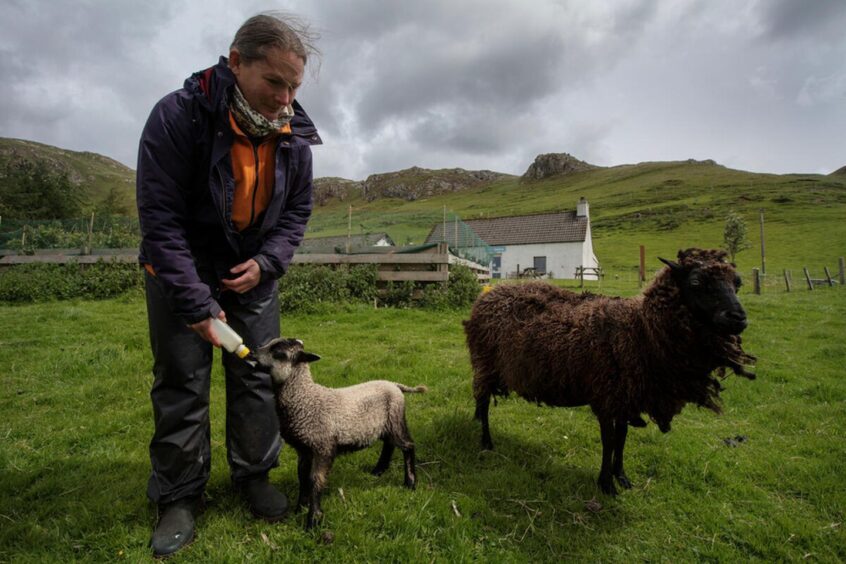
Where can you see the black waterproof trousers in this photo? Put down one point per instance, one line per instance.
(180, 451)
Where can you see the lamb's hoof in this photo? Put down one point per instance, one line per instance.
(378, 470)
(624, 481)
(411, 483)
(487, 444)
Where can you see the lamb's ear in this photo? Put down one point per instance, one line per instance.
(303, 356)
(675, 267)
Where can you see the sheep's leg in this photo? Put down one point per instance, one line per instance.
(606, 479)
(304, 475)
(483, 404)
(320, 466)
(620, 431)
(384, 458)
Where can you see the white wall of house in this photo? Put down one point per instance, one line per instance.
(562, 259)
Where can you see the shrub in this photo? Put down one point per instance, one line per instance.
(305, 287)
(43, 282)
(461, 291)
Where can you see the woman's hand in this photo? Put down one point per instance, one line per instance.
(205, 330)
(250, 276)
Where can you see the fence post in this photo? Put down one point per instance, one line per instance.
(828, 276)
(787, 279)
(90, 235)
(756, 280)
(808, 278)
(842, 263)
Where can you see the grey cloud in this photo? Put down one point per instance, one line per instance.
(792, 18)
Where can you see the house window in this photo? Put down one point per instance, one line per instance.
(496, 263)
(540, 265)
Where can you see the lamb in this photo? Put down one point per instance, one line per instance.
(322, 422)
(650, 354)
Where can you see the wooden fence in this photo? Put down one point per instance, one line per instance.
(392, 267)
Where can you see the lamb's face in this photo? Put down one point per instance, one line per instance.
(281, 356)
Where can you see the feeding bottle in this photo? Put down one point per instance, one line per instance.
(230, 340)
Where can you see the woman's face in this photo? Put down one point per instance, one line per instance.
(268, 84)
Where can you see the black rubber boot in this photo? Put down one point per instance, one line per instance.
(264, 501)
(175, 528)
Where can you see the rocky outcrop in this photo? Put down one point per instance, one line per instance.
(839, 172)
(410, 184)
(554, 164)
(415, 183)
(332, 187)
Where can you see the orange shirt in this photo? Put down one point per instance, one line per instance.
(254, 168)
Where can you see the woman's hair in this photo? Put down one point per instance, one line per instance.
(275, 29)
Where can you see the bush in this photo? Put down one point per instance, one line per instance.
(461, 291)
(305, 287)
(43, 282)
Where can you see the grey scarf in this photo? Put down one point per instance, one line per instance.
(253, 123)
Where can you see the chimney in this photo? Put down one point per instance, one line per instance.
(582, 208)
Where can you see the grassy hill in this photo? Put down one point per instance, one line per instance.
(662, 205)
(92, 174)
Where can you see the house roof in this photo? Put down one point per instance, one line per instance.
(338, 243)
(561, 227)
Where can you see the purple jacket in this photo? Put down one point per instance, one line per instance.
(185, 188)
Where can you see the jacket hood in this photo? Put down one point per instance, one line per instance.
(211, 88)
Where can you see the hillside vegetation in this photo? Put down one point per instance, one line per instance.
(662, 205)
(94, 178)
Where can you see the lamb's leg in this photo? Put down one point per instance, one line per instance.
(384, 458)
(483, 404)
(409, 459)
(606, 479)
(620, 431)
(320, 466)
(401, 438)
(304, 475)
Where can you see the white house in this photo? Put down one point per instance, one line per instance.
(552, 244)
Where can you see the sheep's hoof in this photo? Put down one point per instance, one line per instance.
(637, 422)
(624, 481)
(411, 483)
(378, 470)
(607, 486)
(313, 519)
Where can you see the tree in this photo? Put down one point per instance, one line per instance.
(734, 235)
(34, 192)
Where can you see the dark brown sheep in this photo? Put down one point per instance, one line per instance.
(650, 354)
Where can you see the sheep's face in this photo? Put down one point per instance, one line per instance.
(281, 356)
(709, 290)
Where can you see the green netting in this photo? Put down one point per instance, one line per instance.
(464, 242)
(105, 232)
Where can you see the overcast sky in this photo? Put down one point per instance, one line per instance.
(758, 85)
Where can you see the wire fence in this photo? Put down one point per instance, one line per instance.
(103, 232)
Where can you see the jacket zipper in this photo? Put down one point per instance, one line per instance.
(222, 196)
(255, 185)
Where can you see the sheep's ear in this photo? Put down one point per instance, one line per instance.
(675, 267)
(303, 356)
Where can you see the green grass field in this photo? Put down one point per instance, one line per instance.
(75, 421)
